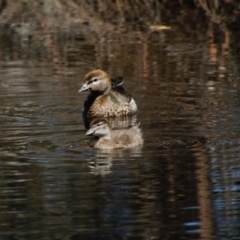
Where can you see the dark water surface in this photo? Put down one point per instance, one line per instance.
(185, 181)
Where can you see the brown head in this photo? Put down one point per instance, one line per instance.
(97, 81)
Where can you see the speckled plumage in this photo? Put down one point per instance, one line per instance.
(107, 98)
(114, 139)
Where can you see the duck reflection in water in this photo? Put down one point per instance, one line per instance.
(108, 138)
(112, 135)
(102, 162)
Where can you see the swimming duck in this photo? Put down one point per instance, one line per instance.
(114, 139)
(107, 98)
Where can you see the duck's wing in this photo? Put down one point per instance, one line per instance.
(118, 91)
(116, 82)
(119, 95)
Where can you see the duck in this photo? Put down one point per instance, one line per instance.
(107, 138)
(107, 96)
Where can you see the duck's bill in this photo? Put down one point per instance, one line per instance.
(84, 88)
(90, 132)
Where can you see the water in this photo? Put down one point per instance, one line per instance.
(183, 183)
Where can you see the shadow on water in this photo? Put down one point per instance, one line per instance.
(183, 183)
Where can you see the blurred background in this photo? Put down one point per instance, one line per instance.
(180, 60)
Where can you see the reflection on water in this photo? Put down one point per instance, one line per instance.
(110, 138)
(183, 183)
(121, 134)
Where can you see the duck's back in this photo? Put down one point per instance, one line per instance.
(117, 103)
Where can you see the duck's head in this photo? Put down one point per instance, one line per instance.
(97, 81)
(99, 128)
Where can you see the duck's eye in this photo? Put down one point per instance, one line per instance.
(95, 79)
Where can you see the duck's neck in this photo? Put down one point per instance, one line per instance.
(107, 91)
